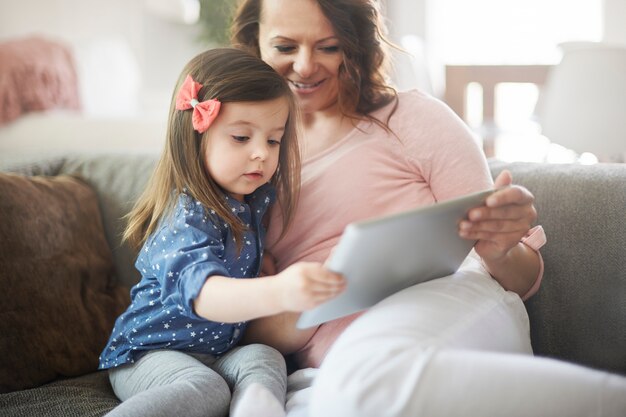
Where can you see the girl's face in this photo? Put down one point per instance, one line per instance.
(243, 144)
(297, 40)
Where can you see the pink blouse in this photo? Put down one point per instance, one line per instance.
(431, 156)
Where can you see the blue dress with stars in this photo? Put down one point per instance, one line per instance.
(193, 244)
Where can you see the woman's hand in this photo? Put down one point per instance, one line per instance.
(305, 285)
(498, 228)
(499, 225)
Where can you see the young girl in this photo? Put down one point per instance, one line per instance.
(231, 146)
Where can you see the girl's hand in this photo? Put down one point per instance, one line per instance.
(305, 285)
(499, 225)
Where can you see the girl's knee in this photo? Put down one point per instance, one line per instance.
(259, 349)
(261, 353)
(209, 389)
(203, 381)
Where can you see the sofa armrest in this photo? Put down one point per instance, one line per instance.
(579, 313)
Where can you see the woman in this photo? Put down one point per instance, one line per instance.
(368, 151)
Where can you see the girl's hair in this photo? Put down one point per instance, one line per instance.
(360, 29)
(229, 75)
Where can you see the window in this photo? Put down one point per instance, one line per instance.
(501, 38)
(509, 31)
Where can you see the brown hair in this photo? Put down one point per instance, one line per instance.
(230, 75)
(360, 29)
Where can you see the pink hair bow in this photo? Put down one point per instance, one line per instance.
(203, 112)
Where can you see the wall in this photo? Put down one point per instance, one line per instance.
(407, 24)
(614, 18)
(415, 17)
(406, 17)
(130, 41)
(161, 47)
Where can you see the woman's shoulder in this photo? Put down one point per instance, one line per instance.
(416, 112)
(414, 108)
(426, 128)
(420, 104)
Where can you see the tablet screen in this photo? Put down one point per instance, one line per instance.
(381, 256)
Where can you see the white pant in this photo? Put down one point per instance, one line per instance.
(456, 346)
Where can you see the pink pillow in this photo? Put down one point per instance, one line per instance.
(36, 74)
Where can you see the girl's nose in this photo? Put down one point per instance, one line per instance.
(260, 153)
(304, 63)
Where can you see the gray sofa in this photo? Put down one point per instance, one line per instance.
(579, 314)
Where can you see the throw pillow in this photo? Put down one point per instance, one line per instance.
(36, 74)
(59, 299)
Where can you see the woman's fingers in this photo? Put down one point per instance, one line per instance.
(510, 195)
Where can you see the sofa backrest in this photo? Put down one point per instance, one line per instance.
(118, 180)
(579, 313)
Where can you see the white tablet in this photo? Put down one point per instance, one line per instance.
(382, 256)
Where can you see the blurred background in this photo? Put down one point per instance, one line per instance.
(539, 80)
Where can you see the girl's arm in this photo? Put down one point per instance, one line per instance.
(300, 287)
(278, 331)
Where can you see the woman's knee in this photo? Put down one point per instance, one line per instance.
(370, 382)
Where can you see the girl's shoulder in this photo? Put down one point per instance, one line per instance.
(189, 211)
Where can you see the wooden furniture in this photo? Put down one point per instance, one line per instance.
(458, 77)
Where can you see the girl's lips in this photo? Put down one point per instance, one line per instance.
(253, 175)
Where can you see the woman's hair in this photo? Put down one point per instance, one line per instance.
(229, 75)
(360, 29)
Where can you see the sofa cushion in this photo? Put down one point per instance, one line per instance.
(58, 301)
(90, 395)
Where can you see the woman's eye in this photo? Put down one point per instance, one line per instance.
(284, 48)
(330, 49)
(240, 138)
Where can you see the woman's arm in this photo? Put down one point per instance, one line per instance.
(278, 331)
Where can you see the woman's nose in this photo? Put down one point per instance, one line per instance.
(304, 63)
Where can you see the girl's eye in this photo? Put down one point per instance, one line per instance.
(273, 142)
(284, 48)
(240, 138)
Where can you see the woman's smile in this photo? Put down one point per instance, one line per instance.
(305, 88)
(304, 49)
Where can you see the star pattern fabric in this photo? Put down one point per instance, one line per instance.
(191, 245)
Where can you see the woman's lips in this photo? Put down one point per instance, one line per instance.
(305, 88)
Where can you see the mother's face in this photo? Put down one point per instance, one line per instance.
(297, 40)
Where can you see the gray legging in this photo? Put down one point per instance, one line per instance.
(172, 383)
